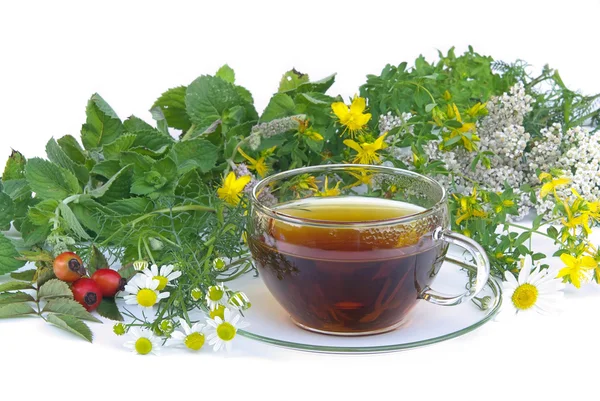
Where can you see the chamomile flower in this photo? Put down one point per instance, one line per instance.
(164, 275)
(222, 331)
(239, 300)
(190, 337)
(219, 264)
(140, 265)
(143, 342)
(215, 295)
(537, 290)
(196, 294)
(143, 292)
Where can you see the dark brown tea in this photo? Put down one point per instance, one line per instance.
(345, 279)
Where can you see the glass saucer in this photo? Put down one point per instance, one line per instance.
(427, 324)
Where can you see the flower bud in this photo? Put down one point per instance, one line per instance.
(119, 329)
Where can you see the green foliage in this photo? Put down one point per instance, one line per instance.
(8, 255)
(71, 324)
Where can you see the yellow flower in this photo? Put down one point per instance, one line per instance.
(307, 182)
(447, 96)
(335, 191)
(477, 109)
(314, 135)
(367, 152)
(363, 178)
(257, 165)
(551, 185)
(468, 207)
(352, 117)
(577, 269)
(232, 188)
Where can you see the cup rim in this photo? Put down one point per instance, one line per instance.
(328, 223)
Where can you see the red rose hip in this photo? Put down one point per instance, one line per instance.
(68, 267)
(87, 293)
(109, 281)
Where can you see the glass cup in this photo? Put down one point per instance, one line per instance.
(350, 249)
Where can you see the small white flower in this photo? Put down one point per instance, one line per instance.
(190, 337)
(215, 295)
(196, 294)
(537, 290)
(219, 264)
(143, 342)
(164, 275)
(143, 292)
(222, 331)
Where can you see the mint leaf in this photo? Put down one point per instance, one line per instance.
(15, 285)
(42, 212)
(101, 190)
(58, 156)
(33, 234)
(280, 105)
(18, 309)
(14, 298)
(50, 181)
(113, 150)
(173, 105)
(160, 180)
(55, 288)
(208, 98)
(131, 206)
(15, 167)
(102, 124)
(71, 324)
(72, 223)
(108, 309)
(134, 124)
(97, 261)
(151, 139)
(107, 168)
(141, 164)
(8, 253)
(320, 86)
(7, 211)
(89, 213)
(17, 189)
(27, 275)
(226, 73)
(291, 80)
(71, 147)
(195, 153)
(65, 306)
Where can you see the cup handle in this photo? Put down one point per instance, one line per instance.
(481, 261)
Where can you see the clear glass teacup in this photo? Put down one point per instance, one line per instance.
(350, 249)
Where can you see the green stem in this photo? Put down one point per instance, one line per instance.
(189, 132)
(148, 250)
(238, 274)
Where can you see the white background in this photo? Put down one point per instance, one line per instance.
(54, 55)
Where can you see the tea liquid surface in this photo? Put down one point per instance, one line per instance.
(345, 279)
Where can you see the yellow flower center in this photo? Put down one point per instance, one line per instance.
(143, 346)
(226, 331)
(162, 282)
(196, 294)
(146, 297)
(219, 311)
(525, 296)
(194, 341)
(215, 293)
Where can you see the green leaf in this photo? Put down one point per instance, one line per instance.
(17, 189)
(58, 156)
(280, 105)
(134, 124)
(15, 298)
(97, 261)
(44, 274)
(226, 73)
(552, 232)
(131, 206)
(141, 164)
(430, 107)
(208, 98)
(101, 190)
(65, 306)
(537, 222)
(18, 309)
(453, 124)
(15, 167)
(71, 324)
(72, 223)
(108, 309)
(107, 168)
(195, 153)
(41, 214)
(113, 150)
(15, 285)
(292, 80)
(7, 211)
(173, 105)
(320, 86)
(8, 253)
(152, 139)
(34, 234)
(55, 289)
(453, 140)
(50, 181)
(102, 124)
(315, 98)
(27, 275)
(72, 149)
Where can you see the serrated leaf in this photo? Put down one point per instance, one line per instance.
(226, 73)
(17, 189)
(102, 124)
(50, 181)
(72, 223)
(44, 274)
(13, 310)
(173, 105)
(15, 167)
(316, 98)
(291, 80)
(7, 211)
(15, 298)
(195, 153)
(101, 190)
(280, 105)
(141, 164)
(134, 124)
(42, 212)
(27, 275)
(15, 285)
(108, 309)
(65, 306)
(151, 139)
(71, 324)
(321, 86)
(8, 253)
(36, 256)
(131, 206)
(57, 155)
(207, 98)
(33, 234)
(107, 168)
(113, 150)
(55, 288)
(97, 260)
(72, 148)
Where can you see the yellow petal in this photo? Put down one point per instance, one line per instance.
(588, 261)
(543, 176)
(379, 144)
(251, 160)
(358, 105)
(456, 113)
(339, 109)
(560, 181)
(352, 144)
(546, 188)
(563, 272)
(568, 260)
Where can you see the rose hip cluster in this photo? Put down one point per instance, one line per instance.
(88, 292)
